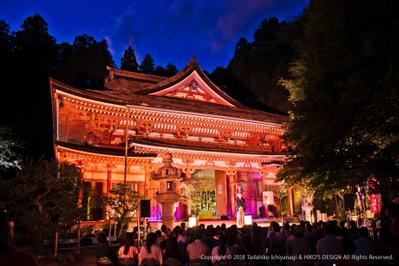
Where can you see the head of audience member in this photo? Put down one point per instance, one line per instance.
(164, 229)
(150, 241)
(102, 238)
(297, 231)
(171, 248)
(222, 245)
(363, 232)
(223, 226)
(195, 234)
(274, 227)
(352, 224)
(231, 236)
(127, 243)
(183, 226)
(329, 229)
(286, 226)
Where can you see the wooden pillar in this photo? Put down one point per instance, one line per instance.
(290, 202)
(147, 179)
(221, 193)
(109, 178)
(231, 173)
(82, 171)
(188, 171)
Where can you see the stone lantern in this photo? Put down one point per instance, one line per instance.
(168, 195)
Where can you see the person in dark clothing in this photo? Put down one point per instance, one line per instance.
(10, 256)
(171, 250)
(104, 251)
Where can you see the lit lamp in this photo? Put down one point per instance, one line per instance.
(192, 221)
(247, 219)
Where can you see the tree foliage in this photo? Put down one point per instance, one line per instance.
(129, 61)
(123, 203)
(343, 127)
(85, 63)
(147, 65)
(42, 197)
(256, 67)
(29, 56)
(9, 157)
(24, 78)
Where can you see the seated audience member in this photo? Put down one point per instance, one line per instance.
(196, 249)
(220, 251)
(127, 254)
(150, 252)
(171, 250)
(104, 253)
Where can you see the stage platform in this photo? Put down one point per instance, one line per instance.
(265, 222)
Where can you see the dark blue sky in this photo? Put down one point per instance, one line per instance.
(171, 30)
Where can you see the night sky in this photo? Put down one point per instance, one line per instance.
(171, 30)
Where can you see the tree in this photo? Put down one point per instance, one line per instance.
(9, 158)
(128, 60)
(171, 70)
(25, 96)
(123, 202)
(343, 128)
(43, 197)
(5, 46)
(147, 65)
(160, 71)
(254, 72)
(85, 65)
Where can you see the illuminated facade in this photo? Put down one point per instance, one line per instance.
(215, 141)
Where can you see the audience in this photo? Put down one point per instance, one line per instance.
(222, 245)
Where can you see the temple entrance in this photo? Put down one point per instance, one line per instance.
(204, 197)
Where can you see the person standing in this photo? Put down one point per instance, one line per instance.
(240, 209)
(10, 256)
(329, 245)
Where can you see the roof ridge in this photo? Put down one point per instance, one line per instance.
(132, 74)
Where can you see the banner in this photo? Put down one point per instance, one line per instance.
(375, 203)
(268, 198)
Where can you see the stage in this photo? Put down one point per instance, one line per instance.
(264, 222)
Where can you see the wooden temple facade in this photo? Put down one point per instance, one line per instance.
(213, 139)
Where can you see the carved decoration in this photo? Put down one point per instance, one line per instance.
(145, 128)
(192, 91)
(183, 131)
(224, 135)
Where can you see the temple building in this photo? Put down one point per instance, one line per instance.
(141, 122)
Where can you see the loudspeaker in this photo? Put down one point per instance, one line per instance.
(224, 217)
(349, 202)
(145, 208)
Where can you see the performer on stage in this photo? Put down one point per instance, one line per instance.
(240, 209)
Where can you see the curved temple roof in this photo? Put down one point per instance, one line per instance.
(188, 91)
